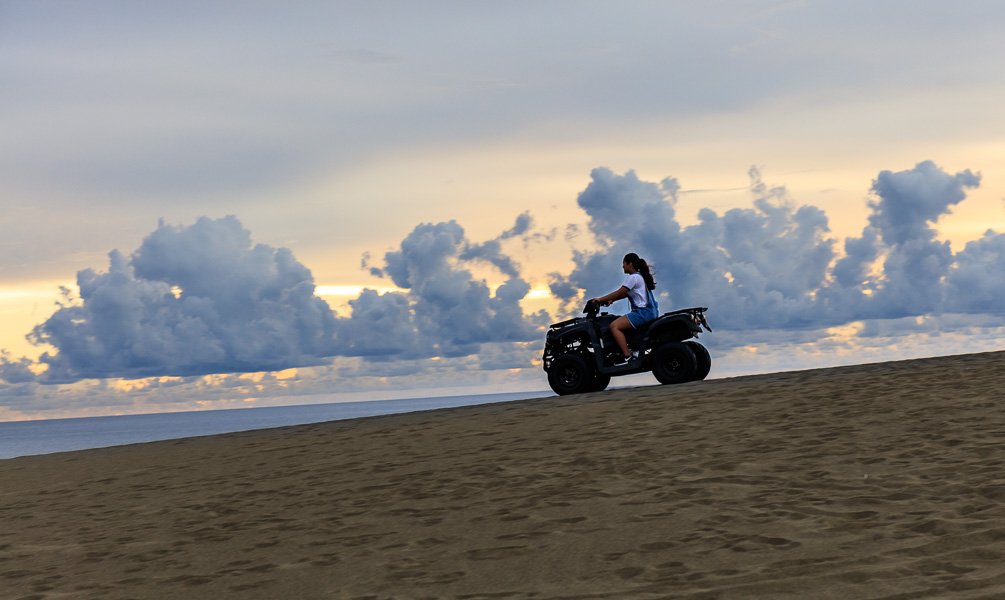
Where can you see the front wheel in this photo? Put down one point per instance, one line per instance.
(674, 362)
(569, 374)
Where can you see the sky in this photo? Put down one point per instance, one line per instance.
(244, 204)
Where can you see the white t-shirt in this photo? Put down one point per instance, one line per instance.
(637, 292)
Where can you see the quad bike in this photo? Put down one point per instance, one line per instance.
(580, 355)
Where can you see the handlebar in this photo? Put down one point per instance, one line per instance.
(592, 309)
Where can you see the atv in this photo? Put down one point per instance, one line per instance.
(580, 355)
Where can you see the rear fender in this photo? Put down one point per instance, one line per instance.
(671, 329)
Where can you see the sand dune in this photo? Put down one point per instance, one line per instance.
(866, 482)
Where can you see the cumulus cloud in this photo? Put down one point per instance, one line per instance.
(975, 283)
(452, 311)
(774, 266)
(205, 299)
(380, 326)
(15, 371)
(191, 300)
(910, 201)
(757, 267)
(912, 279)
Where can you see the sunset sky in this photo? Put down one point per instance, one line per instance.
(811, 171)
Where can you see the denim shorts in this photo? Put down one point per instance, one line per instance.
(641, 316)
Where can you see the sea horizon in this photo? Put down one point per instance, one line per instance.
(68, 434)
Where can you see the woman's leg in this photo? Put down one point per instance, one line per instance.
(618, 329)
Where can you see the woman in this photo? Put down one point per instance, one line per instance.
(638, 288)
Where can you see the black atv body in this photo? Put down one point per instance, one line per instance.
(580, 354)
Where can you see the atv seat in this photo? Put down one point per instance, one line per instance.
(633, 336)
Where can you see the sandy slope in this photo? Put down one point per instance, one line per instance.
(877, 481)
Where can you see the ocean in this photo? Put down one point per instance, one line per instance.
(28, 438)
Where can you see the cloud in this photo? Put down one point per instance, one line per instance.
(205, 299)
(975, 283)
(15, 371)
(523, 225)
(774, 265)
(909, 201)
(756, 267)
(191, 300)
(912, 280)
(380, 326)
(453, 312)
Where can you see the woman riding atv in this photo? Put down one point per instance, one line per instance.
(638, 288)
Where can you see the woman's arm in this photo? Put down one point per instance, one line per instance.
(618, 294)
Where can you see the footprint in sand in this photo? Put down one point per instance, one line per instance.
(498, 553)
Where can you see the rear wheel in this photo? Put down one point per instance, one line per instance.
(703, 358)
(674, 362)
(570, 374)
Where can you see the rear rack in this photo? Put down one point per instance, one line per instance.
(697, 313)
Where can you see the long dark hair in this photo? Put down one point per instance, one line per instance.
(643, 269)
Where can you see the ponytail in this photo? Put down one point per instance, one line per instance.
(643, 269)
